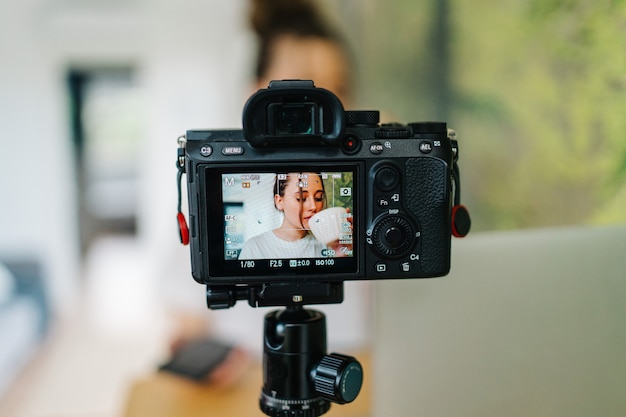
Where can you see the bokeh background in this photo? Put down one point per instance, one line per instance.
(94, 93)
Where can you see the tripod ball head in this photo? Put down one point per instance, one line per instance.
(299, 378)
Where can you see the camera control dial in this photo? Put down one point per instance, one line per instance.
(362, 117)
(393, 236)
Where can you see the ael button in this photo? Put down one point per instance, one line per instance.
(461, 222)
(426, 147)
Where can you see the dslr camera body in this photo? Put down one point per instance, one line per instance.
(393, 191)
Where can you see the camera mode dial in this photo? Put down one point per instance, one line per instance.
(393, 236)
(425, 128)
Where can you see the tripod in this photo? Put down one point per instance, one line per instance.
(299, 378)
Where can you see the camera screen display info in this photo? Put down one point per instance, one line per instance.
(286, 220)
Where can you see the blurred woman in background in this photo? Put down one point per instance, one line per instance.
(297, 41)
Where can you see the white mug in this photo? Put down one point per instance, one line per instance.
(327, 225)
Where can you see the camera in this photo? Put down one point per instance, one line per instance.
(308, 195)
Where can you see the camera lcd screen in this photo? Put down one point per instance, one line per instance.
(286, 222)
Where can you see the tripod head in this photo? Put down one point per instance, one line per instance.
(299, 378)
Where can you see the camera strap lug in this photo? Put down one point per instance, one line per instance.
(183, 229)
(182, 144)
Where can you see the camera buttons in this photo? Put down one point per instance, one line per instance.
(381, 267)
(426, 147)
(376, 148)
(232, 150)
(206, 150)
(351, 144)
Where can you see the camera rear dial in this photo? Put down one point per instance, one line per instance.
(393, 236)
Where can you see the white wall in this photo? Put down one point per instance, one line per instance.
(192, 58)
(37, 203)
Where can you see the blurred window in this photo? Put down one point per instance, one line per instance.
(108, 123)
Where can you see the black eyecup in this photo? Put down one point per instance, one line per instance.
(256, 122)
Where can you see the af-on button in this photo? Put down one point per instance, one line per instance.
(376, 148)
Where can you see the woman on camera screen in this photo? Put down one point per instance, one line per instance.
(298, 197)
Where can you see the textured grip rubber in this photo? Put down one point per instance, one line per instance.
(428, 198)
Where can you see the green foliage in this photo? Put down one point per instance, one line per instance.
(553, 70)
(333, 187)
(537, 96)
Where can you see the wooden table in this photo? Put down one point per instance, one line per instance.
(166, 395)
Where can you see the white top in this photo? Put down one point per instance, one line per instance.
(268, 246)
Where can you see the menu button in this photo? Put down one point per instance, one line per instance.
(232, 150)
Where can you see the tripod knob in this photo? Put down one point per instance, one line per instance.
(338, 378)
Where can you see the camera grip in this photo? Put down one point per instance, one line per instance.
(429, 203)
